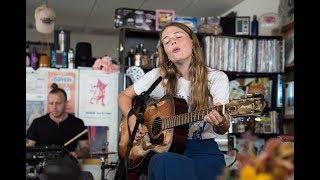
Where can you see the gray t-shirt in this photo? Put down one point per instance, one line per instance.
(218, 86)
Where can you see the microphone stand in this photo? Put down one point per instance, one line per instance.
(138, 110)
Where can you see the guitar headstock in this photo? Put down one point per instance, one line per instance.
(250, 105)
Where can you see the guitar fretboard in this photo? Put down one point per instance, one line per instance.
(186, 118)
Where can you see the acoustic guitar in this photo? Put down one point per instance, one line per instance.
(166, 122)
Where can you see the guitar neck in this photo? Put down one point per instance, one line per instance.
(187, 118)
(252, 106)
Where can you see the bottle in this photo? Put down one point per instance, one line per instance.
(138, 54)
(130, 58)
(64, 59)
(58, 59)
(62, 40)
(254, 26)
(28, 56)
(34, 59)
(53, 59)
(44, 60)
(145, 58)
(154, 60)
(71, 59)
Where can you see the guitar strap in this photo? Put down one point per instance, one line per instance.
(129, 133)
(128, 116)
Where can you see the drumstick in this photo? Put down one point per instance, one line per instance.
(70, 141)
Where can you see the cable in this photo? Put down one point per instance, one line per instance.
(235, 159)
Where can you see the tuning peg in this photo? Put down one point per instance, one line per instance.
(258, 95)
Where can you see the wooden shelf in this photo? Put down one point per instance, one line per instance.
(265, 135)
(288, 117)
(274, 108)
(233, 74)
(242, 36)
(39, 43)
(289, 68)
(140, 33)
(135, 32)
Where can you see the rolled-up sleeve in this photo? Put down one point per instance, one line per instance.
(219, 87)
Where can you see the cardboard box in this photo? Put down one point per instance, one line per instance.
(134, 18)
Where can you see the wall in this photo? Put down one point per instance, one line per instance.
(101, 44)
(254, 7)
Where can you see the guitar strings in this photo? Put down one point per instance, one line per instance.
(195, 114)
(192, 114)
(158, 123)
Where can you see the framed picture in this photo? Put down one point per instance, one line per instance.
(242, 25)
(164, 16)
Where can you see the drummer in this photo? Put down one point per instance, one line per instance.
(58, 127)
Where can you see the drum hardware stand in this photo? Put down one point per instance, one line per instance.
(104, 166)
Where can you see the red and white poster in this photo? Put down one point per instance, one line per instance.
(67, 80)
(98, 102)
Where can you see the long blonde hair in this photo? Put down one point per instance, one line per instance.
(198, 73)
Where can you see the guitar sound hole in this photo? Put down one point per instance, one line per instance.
(156, 126)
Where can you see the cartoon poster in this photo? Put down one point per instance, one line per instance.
(67, 80)
(34, 109)
(36, 89)
(98, 101)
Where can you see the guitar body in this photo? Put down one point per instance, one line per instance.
(166, 123)
(172, 140)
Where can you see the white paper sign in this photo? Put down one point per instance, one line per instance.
(98, 101)
(36, 85)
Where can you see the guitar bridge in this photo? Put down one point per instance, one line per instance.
(159, 140)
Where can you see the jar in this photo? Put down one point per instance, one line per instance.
(44, 60)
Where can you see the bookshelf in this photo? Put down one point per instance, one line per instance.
(41, 47)
(260, 135)
(129, 38)
(287, 31)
